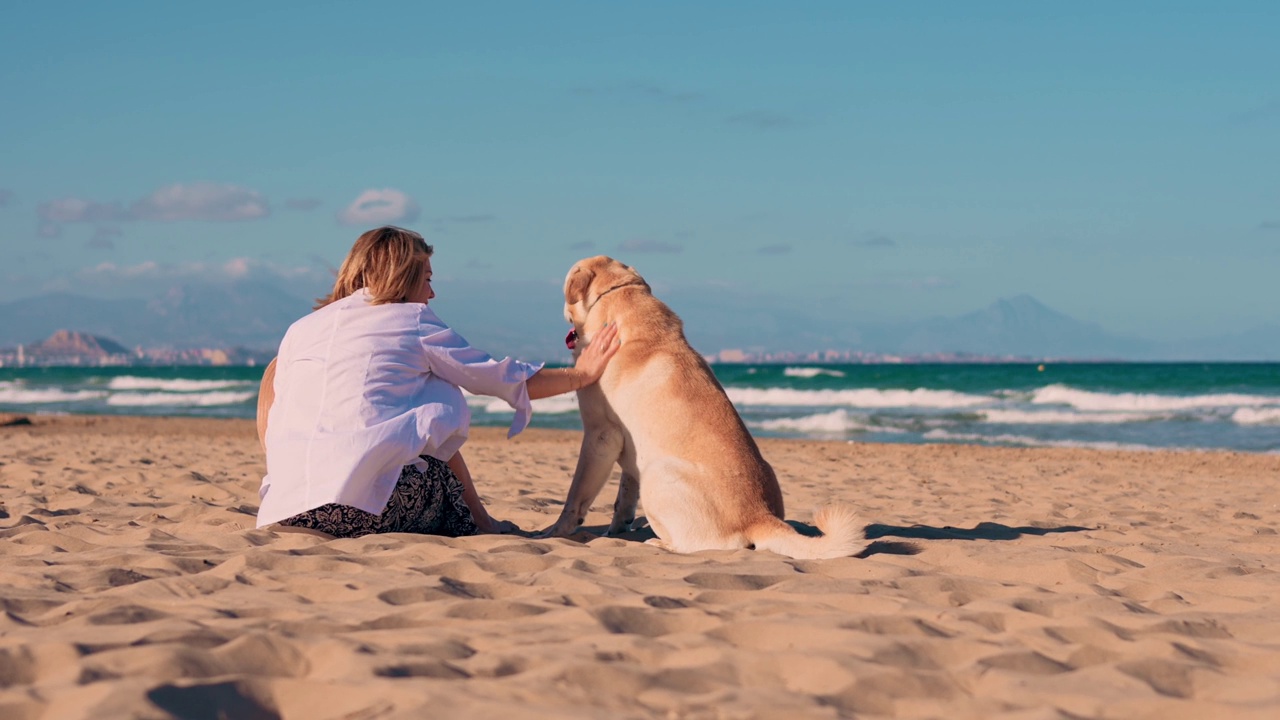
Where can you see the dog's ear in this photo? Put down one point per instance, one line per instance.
(576, 287)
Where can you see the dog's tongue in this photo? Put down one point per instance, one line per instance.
(571, 340)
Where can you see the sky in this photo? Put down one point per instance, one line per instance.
(877, 161)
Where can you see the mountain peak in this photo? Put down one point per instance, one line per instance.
(69, 342)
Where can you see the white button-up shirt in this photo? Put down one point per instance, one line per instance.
(362, 390)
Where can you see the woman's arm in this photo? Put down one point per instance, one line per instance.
(587, 370)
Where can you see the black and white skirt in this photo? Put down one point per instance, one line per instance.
(427, 503)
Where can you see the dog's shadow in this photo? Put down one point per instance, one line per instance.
(873, 532)
(981, 531)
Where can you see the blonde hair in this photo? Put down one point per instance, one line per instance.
(387, 261)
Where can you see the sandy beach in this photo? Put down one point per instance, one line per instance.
(1045, 583)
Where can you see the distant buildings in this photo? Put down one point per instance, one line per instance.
(854, 357)
(68, 348)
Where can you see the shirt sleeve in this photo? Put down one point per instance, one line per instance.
(451, 357)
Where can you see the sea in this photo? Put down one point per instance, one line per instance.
(1125, 406)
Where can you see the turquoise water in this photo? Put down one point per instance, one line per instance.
(1133, 406)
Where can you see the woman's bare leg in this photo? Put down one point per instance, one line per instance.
(484, 521)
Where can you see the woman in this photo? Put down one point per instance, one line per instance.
(366, 412)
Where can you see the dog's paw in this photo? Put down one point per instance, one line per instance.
(659, 543)
(617, 528)
(555, 531)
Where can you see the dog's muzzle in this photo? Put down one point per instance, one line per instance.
(571, 340)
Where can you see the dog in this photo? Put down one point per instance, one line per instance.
(660, 413)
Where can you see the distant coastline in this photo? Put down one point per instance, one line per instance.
(66, 348)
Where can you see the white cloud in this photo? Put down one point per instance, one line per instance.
(210, 202)
(150, 268)
(234, 269)
(72, 210)
(150, 278)
(379, 207)
(201, 201)
(237, 267)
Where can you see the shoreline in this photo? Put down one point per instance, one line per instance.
(59, 422)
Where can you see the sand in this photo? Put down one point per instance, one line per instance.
(1047, 584)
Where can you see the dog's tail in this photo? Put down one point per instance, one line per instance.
(842, 535)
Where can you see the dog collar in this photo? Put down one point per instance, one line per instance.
(606, 292)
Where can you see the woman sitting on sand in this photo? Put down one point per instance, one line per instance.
(366, 414)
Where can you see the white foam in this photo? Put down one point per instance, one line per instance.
(1097, 401)
(1256, 416)
(19, 396)
(129, 382)
(836, 422)
(1056, 417)
(546, 406)
(810, 372)
(1035, 442)
(862, 398)
(180, 399)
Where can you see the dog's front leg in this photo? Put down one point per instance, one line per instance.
(624, 508)
(601, 448)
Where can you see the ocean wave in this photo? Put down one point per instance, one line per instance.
(130, 382)
(862, 398)
(1052, 417)
(180, 399)
(17, 395)
(1143, 402)
(1256, 416)
(810, 372)
(1003, 439)
(546, 406)
(835, 422)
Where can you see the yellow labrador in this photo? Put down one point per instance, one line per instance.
(685, 453)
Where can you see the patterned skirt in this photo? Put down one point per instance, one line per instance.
(427, 503)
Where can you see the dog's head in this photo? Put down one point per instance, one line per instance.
(592, 278)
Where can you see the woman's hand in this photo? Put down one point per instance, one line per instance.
(595, 357)
(587, 370)
(488, 525)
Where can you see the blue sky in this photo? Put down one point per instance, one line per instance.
(883, 161)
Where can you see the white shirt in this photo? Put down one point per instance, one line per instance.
(362, 390)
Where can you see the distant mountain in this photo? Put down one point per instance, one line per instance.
(524, 319)
(192, 315)
(66, 343)
(1020, 325)
(30, 320)
(1260, 343)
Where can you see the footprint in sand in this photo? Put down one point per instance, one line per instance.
(126, 615)
(493, 610)
(437, 669)
(653, 623)
(731, 581)
(241, 699)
